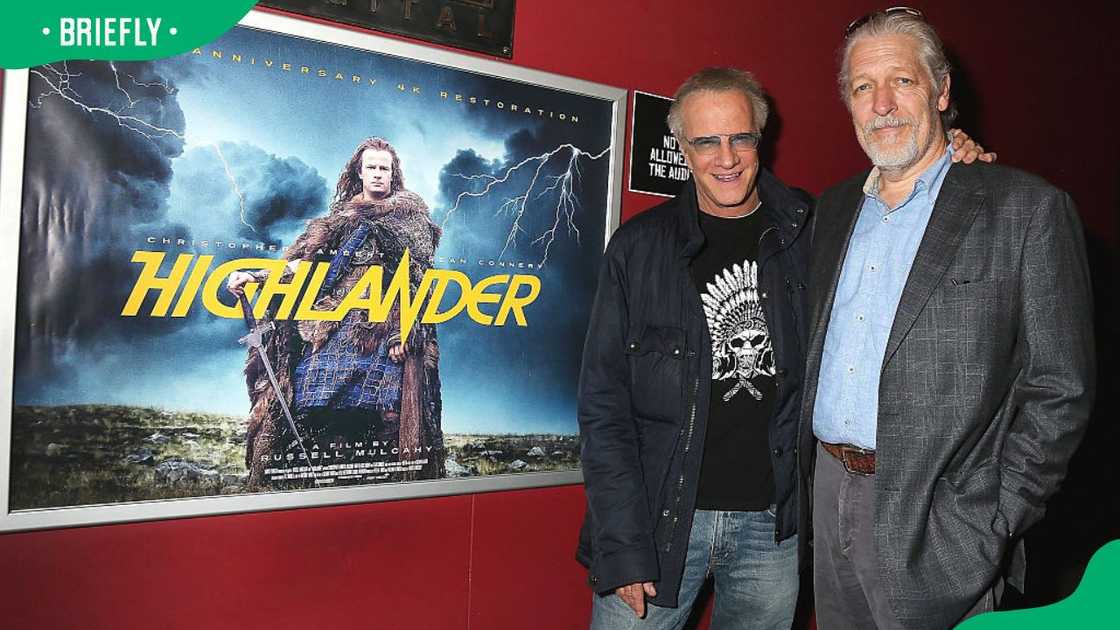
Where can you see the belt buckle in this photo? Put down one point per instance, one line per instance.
(849, 451)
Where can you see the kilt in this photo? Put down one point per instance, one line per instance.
(340, 376)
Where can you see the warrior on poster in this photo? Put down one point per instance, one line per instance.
(275, 263)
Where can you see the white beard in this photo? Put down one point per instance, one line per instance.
(894, 157)
(898, 155)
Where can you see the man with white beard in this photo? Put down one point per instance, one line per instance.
(950, 363)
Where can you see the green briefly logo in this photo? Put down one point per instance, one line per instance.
(1092, 605)
(35, 33)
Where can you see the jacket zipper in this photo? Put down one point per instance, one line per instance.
(688, 438)
(684, 456)
(762, 263)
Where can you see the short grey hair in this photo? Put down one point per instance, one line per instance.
(719, 80)
(931, 52)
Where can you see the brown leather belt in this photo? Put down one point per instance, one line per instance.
(856, 460)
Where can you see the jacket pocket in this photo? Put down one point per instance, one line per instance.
(967, 504)
(971, 327)
(954, 291)
(657, 369)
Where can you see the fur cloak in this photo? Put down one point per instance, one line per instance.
(395, 223)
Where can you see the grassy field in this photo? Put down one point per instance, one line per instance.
(100, 454)
(91, 454)
(509, 453)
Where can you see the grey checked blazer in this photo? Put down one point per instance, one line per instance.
(986, 383)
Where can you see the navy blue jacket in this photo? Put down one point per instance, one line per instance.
(645, 383)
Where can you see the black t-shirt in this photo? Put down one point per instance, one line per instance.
(736, 473)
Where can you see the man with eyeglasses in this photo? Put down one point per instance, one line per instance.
(689, 393)
(950, 361)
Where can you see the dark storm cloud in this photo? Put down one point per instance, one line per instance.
(97, 177)
(478, 224)
(453, 181)
(476, 230)
(279, 194)
(97, 186)
(91, 179)
(98, 163)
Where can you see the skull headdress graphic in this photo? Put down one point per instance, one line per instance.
(741, 348)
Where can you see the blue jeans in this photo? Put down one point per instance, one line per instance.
(755, 578)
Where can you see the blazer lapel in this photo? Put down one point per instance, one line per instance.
(961, 197)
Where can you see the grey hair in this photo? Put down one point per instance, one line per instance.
(931, 52)
(716, 79)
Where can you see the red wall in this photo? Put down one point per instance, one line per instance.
(1044, 78)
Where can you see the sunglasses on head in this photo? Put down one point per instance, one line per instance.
(860, 21)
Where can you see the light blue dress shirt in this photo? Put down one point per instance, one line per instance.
(878, 262)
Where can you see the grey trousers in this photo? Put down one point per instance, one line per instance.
(847, 591)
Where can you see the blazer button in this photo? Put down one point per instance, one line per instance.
(633, 346)
(762, 295)
(782, 372)
(665, 513)
(676, 352)
(777, 452)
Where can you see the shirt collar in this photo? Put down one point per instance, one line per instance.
(924, 185)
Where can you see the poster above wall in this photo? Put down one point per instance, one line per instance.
(481, 25)
(415, 235)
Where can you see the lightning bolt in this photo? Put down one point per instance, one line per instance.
(233, 184)
(64, 77)
(562, 186)
(151, 84)
(117, 79)
(59, 84)
(144, 84)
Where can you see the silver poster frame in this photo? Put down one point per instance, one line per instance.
(12, 149)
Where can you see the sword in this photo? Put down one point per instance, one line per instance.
(255, 339)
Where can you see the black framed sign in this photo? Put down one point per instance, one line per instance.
(415, 233)
(657, 166)
(480, 25)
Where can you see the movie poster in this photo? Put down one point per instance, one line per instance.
(415, 246)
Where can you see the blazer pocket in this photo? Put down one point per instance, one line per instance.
(954, 291)
(968, 504)
(657, 370)
(982, 479)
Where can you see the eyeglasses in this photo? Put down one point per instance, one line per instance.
(858, 22)
(740, 142)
